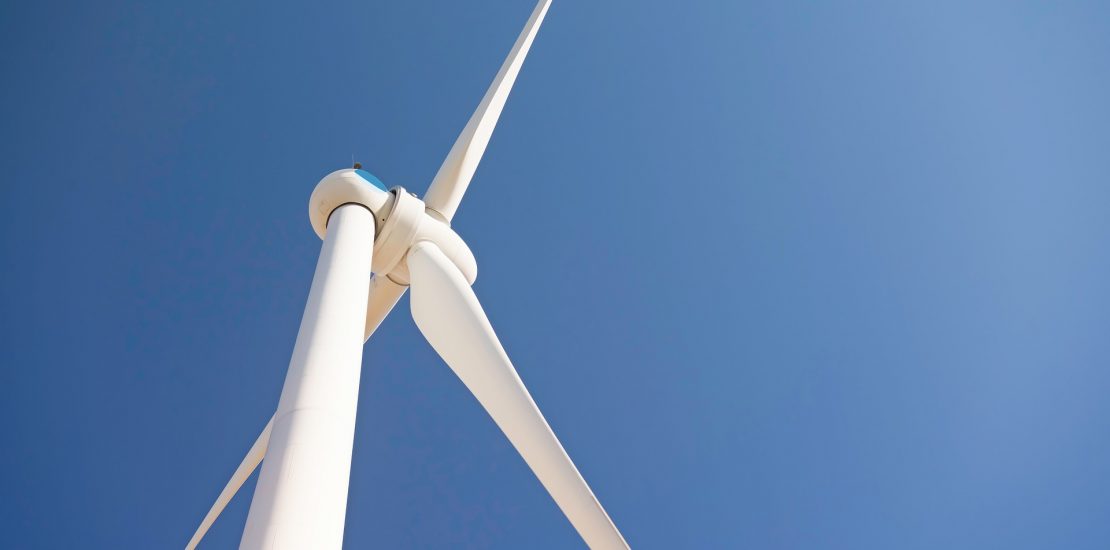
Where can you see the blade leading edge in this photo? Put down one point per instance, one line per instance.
(384, 294)
(450, 317)
(450, 183)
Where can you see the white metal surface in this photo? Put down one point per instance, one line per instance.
(301, 497)
(454, 175)
(245, 469)
(450, 317)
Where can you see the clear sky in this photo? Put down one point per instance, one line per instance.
(781, 275)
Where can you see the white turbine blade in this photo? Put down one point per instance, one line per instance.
(454, 175)
(250, 462)
(384, 294)
(450, 317)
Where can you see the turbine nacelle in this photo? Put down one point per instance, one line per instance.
(401, 220)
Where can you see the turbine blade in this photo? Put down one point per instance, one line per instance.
(384, 294)
(450, 317)
(250, 462)
(450, 183)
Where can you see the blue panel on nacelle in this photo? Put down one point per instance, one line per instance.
(372, 179)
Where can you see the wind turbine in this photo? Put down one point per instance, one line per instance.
(378, 242)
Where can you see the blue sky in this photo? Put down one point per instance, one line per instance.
(781, 275)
